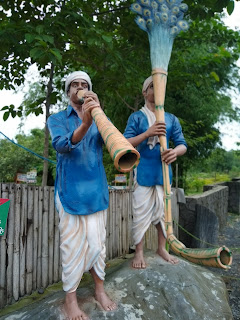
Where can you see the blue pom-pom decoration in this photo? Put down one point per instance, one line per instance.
(141, 23)
(166, 13)
(136, 8)
(146, 3)
(147, 13)
(154, 5)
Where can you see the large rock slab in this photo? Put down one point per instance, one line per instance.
(161, 291)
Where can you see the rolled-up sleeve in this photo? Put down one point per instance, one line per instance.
(132, 127)
(177, 134)
(61, 137)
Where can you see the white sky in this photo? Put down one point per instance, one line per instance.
(230, 132)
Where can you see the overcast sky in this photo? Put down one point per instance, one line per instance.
(230, 132)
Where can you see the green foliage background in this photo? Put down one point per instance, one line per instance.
(102, 38)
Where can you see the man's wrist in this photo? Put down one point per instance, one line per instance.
(85, 125)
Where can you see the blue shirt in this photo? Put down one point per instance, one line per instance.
(80, 180)
(149, 170)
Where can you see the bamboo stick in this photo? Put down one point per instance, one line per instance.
(35, 237)
(3, 239)
(45, 256)
(107, 230)
(175, 211)
(124, 223)
(56, 249)
(127, 245)
(23, 241)
(130, 219)
(29, 252)
(117, 224)
(10, 239)
(50, 235)
(110, 225)
(114, 229)
(39, 253)
(119, 219)
(16, 249)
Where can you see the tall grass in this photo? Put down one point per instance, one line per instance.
(196, 181)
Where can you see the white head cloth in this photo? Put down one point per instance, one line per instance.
(152, 141)
(77, 75)
(147, 83)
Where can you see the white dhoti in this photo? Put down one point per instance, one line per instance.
(148, 207)
(82, 244)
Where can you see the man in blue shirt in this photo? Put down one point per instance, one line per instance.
(81, 193)
(142, 131)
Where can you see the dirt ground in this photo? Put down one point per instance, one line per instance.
(230, 237)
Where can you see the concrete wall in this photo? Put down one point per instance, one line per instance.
(215, 201)
(233, 194)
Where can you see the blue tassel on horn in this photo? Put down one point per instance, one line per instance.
(183, 25)
(157, 17)
(141, 23)
(164, 17)
(173, 20)
(183, 7)
(162, 20)
(147, 13)
(149, 24)
(135, 7)
(146, 3)
(154, 5)
(174, 31)
(164, 8)
(175, 10)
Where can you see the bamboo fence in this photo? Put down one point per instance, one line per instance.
(29, 249)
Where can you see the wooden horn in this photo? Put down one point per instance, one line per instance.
(213, 257)
(124, 155)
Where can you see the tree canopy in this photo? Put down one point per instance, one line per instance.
(102, 38)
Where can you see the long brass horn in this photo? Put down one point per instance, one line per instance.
(124, 155)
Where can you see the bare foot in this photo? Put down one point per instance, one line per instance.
(138, 261)
(168, 257)
(71, 309)
(106, 303)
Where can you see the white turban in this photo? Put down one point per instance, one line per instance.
(147, 83)
(77, 75)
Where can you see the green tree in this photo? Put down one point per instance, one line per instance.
(19, 160)
(102, 38)
(220, 161)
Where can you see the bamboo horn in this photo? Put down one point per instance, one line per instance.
(124, 155)
(213, 257)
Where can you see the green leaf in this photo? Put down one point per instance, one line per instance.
(230, 7)
(14, 113)
(35, 53)
(39, 29)
(215, 76)
(6, 115)
(29, 37)
(57, 54)
(48, 39)
(107, 38)
(5, 108)
(43, 44)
